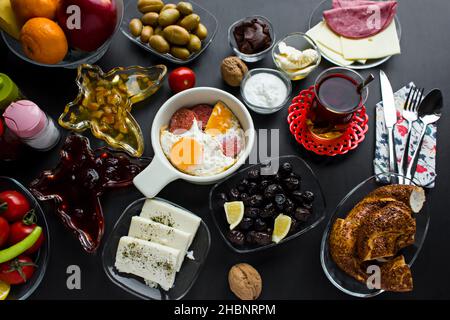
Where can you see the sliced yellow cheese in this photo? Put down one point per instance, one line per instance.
(383, 44)
(8, 22)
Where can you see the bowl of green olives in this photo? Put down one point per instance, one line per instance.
(178, 32)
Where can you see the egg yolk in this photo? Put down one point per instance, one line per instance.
(220, 120)
(185, 153)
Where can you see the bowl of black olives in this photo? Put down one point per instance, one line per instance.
(280, 186)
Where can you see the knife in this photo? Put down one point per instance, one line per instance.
(390, 116)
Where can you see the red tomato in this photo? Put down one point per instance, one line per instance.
(18, 270)
(4, 231)
(13, 205)
(181, 79)
(20, 230)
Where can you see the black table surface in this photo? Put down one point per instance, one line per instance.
(292, 270)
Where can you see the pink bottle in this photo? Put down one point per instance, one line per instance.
(31, 125)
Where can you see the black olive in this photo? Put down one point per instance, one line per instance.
(264, 184)
(280, 200)
(269, 230)
(222, 198)
(286, 168)
(253, 188)
(260, 225)
(308, 206)
(244, 196)
(236, 237)
(294, 225)
(297, 195)
(250, 237)
(242, 187)
(289, 206)
(256, 200)
(252, 212)
(302, 214)
(262, 238)
(278, 177)
(234, 194)
(308, 197)
(246, 223)
(253, 174)
(292, 183)
(268, 211)
(271, 190)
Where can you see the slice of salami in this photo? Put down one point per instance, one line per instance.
(202, 114)
(360, 20)
(181, 120)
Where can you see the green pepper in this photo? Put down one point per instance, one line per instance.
(20, 247)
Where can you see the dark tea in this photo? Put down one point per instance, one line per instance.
(339, 93)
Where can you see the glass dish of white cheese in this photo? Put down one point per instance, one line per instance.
(156, 250)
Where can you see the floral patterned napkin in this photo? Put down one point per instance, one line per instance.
(426, 166)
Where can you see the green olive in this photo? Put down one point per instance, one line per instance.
(150, 19)
(180, 52)
(195, 44)
(160, 44)
(158, 31)
(169, 6)
(135, 27)
(168, 17)
(145, 6)
(176, 35)
(190, 22)
(201, 31)
(185, 8)
(146, 33)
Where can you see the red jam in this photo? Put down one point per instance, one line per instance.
(78, 181)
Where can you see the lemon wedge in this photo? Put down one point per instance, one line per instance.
(4, 290)
(281, 227)
(234, 212)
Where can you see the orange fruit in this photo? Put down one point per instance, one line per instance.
(43, 41)
(27, 9)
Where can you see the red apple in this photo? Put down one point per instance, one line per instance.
(87, 23)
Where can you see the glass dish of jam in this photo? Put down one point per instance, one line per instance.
(78, 181)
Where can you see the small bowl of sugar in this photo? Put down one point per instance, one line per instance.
(265, 91)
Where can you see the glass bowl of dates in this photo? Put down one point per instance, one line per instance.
(279, 186)
(40, 258)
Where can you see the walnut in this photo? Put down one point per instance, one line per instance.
(233, 70)
(245, 281)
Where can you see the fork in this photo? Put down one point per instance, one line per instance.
(410, 114)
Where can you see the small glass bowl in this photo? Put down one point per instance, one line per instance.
(338, 277)
(206, 18)
(23, 291)
(263, 109)
(74, 57)
(309, 182)
(250, 57)
(185, 278)
(299, 41)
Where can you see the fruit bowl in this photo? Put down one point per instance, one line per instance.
(309, 181)
(23, 291)
(74, 57)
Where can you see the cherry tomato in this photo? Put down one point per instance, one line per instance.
(19, 230)
(13, 205)
(4, 231)
(18, 270)
(181, 79)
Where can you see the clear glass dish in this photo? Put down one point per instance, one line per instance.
(206, 18)
(317, 16)
(339, 278)
(23, 291)
(299, 41)
(74, 57)
(262, 109)
(250, 57)
(185, 278)
(309, 182)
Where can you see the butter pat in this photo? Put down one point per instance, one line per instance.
(169, 215)
(149, 260)
(146, 229)
(383, 44)
(8, 22)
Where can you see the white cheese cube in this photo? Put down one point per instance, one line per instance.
(149, 260)
(146, 229)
